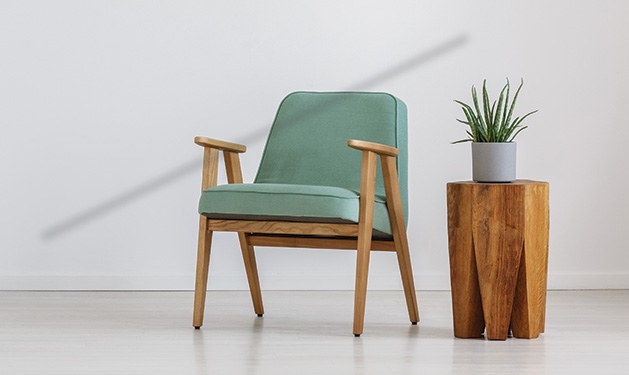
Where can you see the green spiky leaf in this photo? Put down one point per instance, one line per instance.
(491, 122)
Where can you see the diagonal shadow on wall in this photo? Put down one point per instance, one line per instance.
(192, 166)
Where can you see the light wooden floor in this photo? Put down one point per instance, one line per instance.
(301, 333)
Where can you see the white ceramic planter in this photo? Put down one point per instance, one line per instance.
(493, 162)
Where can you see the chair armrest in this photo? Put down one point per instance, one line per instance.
(388, 156)
(212, 148)
(378, 148)
(220, 145)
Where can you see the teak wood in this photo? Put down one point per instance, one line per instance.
(310, 235)
(498, 244)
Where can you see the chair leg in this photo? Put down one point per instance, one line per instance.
(249, 258)
(365, 229)
(406, 271)
(203, 266)
(398, 227)
(360, 292)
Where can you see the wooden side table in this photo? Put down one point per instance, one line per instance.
(498, 243)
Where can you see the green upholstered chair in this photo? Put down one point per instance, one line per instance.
(313, 191)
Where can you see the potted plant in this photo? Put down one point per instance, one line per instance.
(491, 131)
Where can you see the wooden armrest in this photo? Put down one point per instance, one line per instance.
(378, 148)
(220, 145)
(211, 150)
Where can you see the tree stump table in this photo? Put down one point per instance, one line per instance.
(498, 245)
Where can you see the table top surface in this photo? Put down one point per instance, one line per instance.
(516, 182)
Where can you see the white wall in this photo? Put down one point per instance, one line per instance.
(100, 101)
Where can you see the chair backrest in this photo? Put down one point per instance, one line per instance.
(307, 144)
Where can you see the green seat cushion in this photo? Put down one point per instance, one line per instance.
(289, 202)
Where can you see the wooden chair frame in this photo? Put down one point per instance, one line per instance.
(309, 235)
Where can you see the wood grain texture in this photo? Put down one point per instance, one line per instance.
(378, 148)
(316, 242)
(219, 145)
(501, 229)
(529, 308)
(467, 311)
(251, 269)
(209, 179)
(365, 227)
(283, 227)
(232, 165)
(398, 227)
(209, 176)
(234, 176)
(203, 266)
(497, 232)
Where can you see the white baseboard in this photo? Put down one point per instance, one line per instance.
(588, 281)
(277, 282)
(96, 282)
(215, 282)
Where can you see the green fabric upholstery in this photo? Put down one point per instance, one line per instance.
(307, 171)
(285, 202)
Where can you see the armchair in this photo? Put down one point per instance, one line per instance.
(313, 191)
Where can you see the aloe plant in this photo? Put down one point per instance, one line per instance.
(493, 123)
